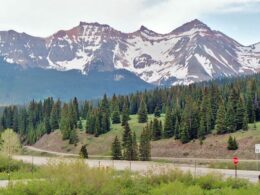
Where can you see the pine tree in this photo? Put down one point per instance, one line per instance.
(168, 124)
(232, 107)
(177, 129)
(104, 107)
(91, 123)
(133, 104)
(134, 148)
(202, 128)
(23, 122)
(76, 108)
(98, 129)
(126, 134)
(184, 134)
(105, 123)
(145, 146)
(235, 144)
(232, 143)
(65, 126)
(206, 112)
(125, 115)
(190, 119)
(83, 152)
(230, 118)
(85, 110)
(47, 124)
(72, 115)
(241, 111)
(142, 112)
(245, 122)
(116, 115)
(15, 119)
(116, 149)
(250, 97)
(73, 139)
(79, 125)
(127, 143)
(157, 112)
(220, 126)
(214, 101)
(156, 130)
(54, 117)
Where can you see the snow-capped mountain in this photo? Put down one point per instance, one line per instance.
(190, 53)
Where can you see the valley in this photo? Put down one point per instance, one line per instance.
(140, 97)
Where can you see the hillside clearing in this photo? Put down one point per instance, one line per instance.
(214, 146)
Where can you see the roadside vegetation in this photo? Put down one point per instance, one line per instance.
(78, 178)
(9, 168)
(253, 166)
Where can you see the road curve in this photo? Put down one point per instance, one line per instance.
(32, 148)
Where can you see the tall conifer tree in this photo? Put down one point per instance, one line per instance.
(116, 149)
(142, 112)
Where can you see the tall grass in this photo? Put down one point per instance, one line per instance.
(16, 169)
(230, 165)
(77, 178)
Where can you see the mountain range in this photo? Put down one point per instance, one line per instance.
(191, 53)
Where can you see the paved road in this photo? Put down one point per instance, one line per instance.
(49, 152)
(153, 158)
(143, 167)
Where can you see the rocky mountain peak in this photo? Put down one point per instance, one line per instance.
(190, 53)
(195, 25)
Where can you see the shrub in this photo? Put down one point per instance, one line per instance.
(232, 143)
(83, 152)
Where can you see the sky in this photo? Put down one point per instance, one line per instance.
(239, 19)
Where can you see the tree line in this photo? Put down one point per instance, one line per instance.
(191, 112)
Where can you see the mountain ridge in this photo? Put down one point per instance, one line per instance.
(190, 53)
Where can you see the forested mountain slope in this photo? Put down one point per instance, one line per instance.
(191, 112)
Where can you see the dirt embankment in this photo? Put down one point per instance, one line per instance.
(214, 146)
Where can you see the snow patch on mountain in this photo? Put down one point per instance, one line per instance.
(191, 53)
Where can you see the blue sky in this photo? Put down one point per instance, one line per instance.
(239, 19)
(243, 27)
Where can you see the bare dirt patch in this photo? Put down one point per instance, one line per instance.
(214, 146)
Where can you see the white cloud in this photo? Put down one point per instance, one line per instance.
(43, 17)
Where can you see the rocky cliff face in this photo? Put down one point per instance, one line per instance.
(190, 53)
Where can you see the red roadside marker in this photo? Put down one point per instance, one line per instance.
(235, 160)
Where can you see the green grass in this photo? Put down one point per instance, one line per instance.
(78, 178)
(102, 144)
(229, 165)
(16, 169)
(254, 132)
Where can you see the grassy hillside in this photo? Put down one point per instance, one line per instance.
(96, 145)
(214, 146)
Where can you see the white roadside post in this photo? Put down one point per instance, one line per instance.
(257, 151)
